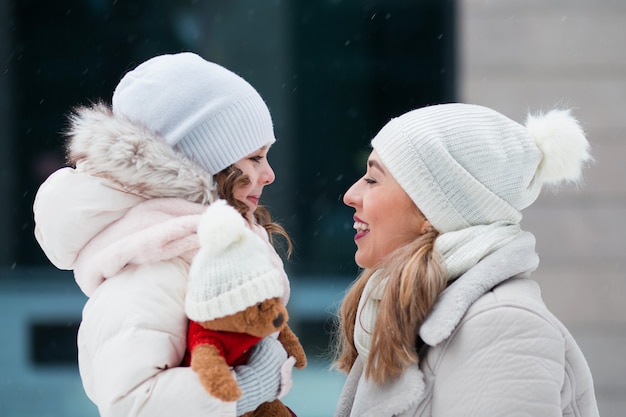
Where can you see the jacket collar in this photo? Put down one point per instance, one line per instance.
(375, 400)
(516, 258)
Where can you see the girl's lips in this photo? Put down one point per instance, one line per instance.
(254, 200)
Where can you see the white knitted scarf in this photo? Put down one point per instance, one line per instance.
(460, 250)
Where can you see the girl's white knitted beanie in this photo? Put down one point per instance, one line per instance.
(233, 269)
(465, 165)
(209, 114)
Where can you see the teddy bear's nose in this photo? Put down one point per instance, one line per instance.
(278, 321)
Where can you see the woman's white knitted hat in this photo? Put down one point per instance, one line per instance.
(465, 165)
(209, 114)
(233, 268)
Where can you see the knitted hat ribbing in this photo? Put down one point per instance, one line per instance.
(466, 165)
(233, 268)
(206, 112)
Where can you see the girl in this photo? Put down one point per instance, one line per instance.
(181, 132)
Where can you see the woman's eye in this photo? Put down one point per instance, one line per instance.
(256, 158)
(369, 180)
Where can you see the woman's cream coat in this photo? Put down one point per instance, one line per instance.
(492, 349)
(124, 220)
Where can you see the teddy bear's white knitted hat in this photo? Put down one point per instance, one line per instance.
(201, 109)
(465, 165)
(233, 268)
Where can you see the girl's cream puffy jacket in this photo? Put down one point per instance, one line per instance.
(124, 220)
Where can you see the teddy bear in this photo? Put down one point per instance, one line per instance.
(233, 301)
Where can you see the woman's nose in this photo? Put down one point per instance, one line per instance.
(351, 197)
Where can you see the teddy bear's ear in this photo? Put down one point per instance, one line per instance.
(221, 226)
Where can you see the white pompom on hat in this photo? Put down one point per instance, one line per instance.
(233, 268)
(465, 165)
(201, 109)
(563, 144)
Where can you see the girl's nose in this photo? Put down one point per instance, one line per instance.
(268, 175)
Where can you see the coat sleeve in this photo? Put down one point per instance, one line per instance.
(132, 341)
(501, 361)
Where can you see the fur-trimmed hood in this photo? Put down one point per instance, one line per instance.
(138, 160)
(130, 199)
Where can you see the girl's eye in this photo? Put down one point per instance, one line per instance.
(256, 158)
(369, 180)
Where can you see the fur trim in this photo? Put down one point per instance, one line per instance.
(112, 147)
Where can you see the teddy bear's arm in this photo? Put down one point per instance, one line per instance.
(214, 373)
(292, 345)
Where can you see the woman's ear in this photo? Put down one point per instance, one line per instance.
(426, 227)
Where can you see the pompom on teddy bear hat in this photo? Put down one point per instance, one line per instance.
(465, 165)
(233, 268)
(201, 109)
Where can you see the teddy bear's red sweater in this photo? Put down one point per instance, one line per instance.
(234, 347)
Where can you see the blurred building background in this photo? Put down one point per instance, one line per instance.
(518, 56)
(332, 72)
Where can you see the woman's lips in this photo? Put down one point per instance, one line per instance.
(359, 235)
(361, 228)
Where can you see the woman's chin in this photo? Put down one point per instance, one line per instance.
(362, 261)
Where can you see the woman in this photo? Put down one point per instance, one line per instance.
(181, 132)
(444, 319)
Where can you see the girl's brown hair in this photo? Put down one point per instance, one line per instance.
(415, 278)
(231, 178)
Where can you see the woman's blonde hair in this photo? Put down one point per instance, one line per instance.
(230, 179)
(415, 278)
